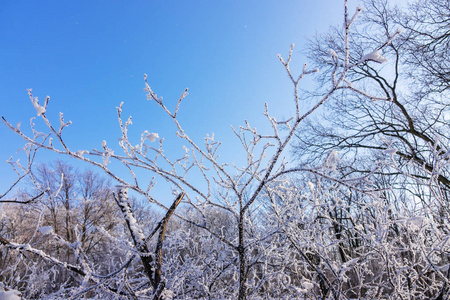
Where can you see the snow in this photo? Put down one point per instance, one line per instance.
(46, 230)
(136, 230)
(75, 245)
(308, 285)
(34, 100)
(167, 294)
(39, 109)
(333, 53)
(349, 264)
(10, 295)
(152, 136)
(391, 152)
(331, 160)
(414, 223)
(82, 152)
(359, 227)
(374, 56)
(310, 186)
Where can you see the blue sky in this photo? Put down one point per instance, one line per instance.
(89, 56)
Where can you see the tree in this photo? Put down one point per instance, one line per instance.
(407, 115)
(399, 133)
(244, 232)
(428, 45)
(22, 172)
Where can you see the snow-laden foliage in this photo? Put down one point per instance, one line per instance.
(266, 230)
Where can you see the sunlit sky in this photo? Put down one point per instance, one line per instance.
(89, 56)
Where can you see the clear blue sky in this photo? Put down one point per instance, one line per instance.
(89, 56)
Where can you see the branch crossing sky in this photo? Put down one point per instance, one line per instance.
(89, 56)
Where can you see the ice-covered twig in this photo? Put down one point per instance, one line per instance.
(375, 55)
(40, 110)
(358, 10)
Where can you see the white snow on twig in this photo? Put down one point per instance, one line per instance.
(332, 160)
(10, 295)
(333, 53)
(391, 152)
(46, 230)
(308, 285)
(414, 223)
(374, 56)
(167, 294)
(135, 229)
(82, 152)
(152, 137)
(39, 109)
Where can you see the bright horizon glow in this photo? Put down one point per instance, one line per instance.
(89, 56)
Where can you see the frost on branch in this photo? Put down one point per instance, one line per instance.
(152, 137)
(333, 54)
(150, 94)
(9, 294)
(391, 152)
(374, 56)
(34, 100)
(331, 161)
(135, 230)
(46, 230)
(263, 229)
